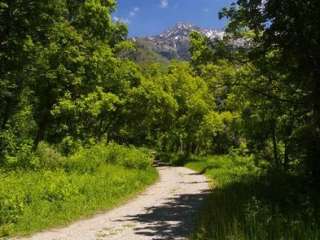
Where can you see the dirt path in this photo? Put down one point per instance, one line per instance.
(164, 211)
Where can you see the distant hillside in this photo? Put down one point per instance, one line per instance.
(146, 54)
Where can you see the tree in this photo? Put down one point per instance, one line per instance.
(53, 49)
(289, 32)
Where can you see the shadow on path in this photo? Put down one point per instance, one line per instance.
(174, 219)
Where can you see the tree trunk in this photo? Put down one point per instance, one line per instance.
(42, 126)
(286, 157)
(274, 143)
(6, 116)
(316, 126)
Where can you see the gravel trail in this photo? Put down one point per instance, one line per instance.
(166, 210)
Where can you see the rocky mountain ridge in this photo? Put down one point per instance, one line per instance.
(174, 43)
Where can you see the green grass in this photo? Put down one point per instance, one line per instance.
(247, 203)
(81, 185)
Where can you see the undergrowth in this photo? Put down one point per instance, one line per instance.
(53, 190)
(249, 204)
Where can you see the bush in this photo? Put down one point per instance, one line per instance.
(175, 159)
(58, 188)
(69, 146)
(44, 188)
(11, 209)
(90, 159)
(129, 157)
(248, 203)
(22, 159)
(35, 200)
(48, 157)
(85, 160)
(45, 157)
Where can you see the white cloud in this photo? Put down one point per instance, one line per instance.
(134, 11)
(127, 20)
(122, 20)
(164, 3)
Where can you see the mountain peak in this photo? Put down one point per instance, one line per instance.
(182, 25)
(174, 43)
(182, 31)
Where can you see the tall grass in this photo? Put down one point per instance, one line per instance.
(58, 190)
(247, 203)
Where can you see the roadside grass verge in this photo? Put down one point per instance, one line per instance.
(58, 192)
(249, 204)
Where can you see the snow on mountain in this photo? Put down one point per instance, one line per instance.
(174, 43)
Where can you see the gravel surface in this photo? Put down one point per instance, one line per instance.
(166, 210)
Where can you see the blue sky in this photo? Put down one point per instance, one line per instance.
(150, 17)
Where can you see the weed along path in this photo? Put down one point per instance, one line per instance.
(165, 210)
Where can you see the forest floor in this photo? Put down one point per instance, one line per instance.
(166, 210)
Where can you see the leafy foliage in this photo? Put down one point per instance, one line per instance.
(72, 87)
(61, 189)
(285, 55)
(246, 203)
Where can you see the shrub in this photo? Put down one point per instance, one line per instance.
(175, 159)
(85, 160)
(45, 157)
(247, 203)
(48, 157)
(22, 159)
(129, 157)
(90, 159)
(34, 200)
(69, 146)
(59, 188)
(11, 208)
(43, 187)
